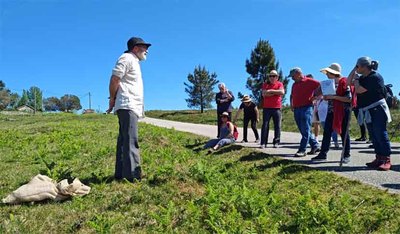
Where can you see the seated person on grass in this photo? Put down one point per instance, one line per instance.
(226, 135)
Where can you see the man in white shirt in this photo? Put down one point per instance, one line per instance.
(126, 98)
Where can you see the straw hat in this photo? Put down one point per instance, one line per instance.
(246, 98)
(334, 68)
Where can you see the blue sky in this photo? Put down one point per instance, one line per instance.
(70, 47)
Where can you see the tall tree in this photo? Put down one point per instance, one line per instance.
(69, 103)
(35, 98)
(52, 104)
(4, 96)
(200, 88)
(262, 61)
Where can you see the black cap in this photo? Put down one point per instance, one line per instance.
(133, 41)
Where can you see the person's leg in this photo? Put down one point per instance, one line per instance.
(345, 134)
(311, 138)
(326, 139)
(315, 129)
(118, 159)
(265, 126)
(223, 142)
(219, 122)
(245, 125)
(254, 127)
(211, 143)
(277, 118)
(130, 150)
(362, 126)
(379, 131)
(301, 121)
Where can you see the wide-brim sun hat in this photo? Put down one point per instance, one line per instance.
(246, 98)
(334, 68)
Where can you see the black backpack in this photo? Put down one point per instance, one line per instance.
(389, 95)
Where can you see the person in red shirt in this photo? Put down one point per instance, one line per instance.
(272, 93)
(301, 103)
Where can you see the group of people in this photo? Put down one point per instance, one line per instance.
(363, 89)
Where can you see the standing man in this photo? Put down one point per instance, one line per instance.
(126, 98)
(371, 92)
(250, 114)
(301, 103)
(272, 93)
(223, 99)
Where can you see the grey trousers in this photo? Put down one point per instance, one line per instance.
(127, 163)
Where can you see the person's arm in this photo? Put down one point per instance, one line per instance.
(230, 129)
(113, 89)
(272, 92)
(338, 98)
(237, 115)
(359, 89)
(352, 76)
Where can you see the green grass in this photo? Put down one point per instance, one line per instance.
(288, 123)
(235, 190)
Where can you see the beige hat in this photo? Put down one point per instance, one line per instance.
(273, 72)
(225, 114)
(334, 68)
(246, 98)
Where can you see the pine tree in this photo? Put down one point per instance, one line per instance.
(200, 88)
(262, 61)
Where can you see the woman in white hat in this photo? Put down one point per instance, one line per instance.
(250, 114)
(227, 134)
(339, 107)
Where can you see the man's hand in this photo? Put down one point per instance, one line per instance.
(329, 97)
(111, 104)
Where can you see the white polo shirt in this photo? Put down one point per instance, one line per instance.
(130, 91)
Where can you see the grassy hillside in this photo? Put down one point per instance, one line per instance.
(236, 190)
(288, 123)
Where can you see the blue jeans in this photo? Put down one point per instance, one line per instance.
(276, 115)
(303, 117)
(328, 129)
(378, 132)
(220, 142)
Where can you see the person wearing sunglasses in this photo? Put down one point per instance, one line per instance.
(272, 92)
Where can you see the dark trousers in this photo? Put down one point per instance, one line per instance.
(276, 115)
(127, 163)
(378, 132)
(362, 127)
(219, 121)
(253, 126)
(328, 129)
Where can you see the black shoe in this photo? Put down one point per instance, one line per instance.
(319, 157)
(300, 154)
(360, 139)
(314, 151)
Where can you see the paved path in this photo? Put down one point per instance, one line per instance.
(356, 169)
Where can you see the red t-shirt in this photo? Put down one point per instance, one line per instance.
(302, 92)
(274, 101)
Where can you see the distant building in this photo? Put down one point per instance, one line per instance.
(26, 108)
(88, 111)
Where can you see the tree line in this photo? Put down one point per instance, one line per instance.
(33, 98)
(262, 60)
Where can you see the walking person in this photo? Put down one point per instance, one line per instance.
(227, 135)
(251, 114)
(301, 103)
(322, 108)
(373, 109)
(126, 98)
(272, 93)
(224, 101)
(339, 110)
